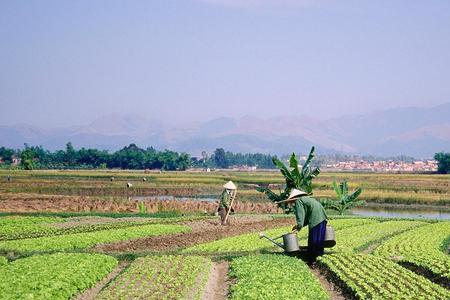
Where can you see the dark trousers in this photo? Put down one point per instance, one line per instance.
(316, 240)
(222, 213)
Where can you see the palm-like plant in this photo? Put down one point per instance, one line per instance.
(344, 200)
(294, 177)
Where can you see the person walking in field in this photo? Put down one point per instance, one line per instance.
(309, 212)
(226, 201)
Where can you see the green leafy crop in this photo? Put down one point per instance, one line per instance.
(357, 238)
(88, 239)
(54, 276)
(423, 246)
(161, 277)
(374, 277)
(250, 242)
(274, 277)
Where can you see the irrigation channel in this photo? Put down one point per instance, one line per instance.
(387, 211)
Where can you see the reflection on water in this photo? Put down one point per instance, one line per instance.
(366, 211)
(394, 212)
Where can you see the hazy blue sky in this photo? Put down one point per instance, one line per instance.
(68, 62)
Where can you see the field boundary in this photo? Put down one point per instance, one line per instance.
(442, 281)
(91, 293)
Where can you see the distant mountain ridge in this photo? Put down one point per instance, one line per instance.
(413, 131)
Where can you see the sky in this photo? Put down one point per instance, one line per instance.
(66, 63)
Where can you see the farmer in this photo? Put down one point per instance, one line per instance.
(308, 211)
(225, 203)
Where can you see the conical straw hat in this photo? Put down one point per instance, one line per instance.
(293, 195)
(230, 185)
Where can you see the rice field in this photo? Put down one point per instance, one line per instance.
(409, 189)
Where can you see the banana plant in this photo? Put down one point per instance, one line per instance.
(294, 177)
(344, 200)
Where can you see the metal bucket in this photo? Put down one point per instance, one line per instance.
(290, 242)
(330, 238)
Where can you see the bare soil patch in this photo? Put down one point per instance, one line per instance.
(202, 231)
(335, 286)
(333, 292)
(91, 293)
(442, 281)
(218, 284)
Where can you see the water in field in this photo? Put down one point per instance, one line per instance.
(408, 212)
(208, 198)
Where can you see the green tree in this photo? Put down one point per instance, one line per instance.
(220, 159)
(443, 160)
(344, 200)
(27, 159)
(6, 154)
(294, 178)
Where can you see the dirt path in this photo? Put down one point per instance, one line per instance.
(202, 231)
(218, 284)
(332, 291)
(90, 294)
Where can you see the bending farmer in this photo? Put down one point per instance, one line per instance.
(226, 201)
(309, 211)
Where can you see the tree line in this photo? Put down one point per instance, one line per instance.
(129, 157)
(133, 157)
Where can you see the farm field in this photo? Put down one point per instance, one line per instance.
(86, 191)
(79, 235)
(223, 262)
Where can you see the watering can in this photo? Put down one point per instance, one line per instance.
(330, 237)
(290, 241)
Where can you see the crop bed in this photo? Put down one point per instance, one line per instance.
(274, 277)
(182, 266)
(52, 276)
(374, 277)
(358, 238)
(20, 227)
(85, 240)
(15, 227)
(161, 277)
(251, 243)
(423, 246)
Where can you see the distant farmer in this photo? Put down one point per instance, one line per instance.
(309, 211)
(226, 201)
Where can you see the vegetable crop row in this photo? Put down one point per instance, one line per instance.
(53, 276)
(161, 277)
(357, 238)
(19, 227)
(274, 277)
(374, 277)
(423, 246)
(16, 226)
(250, 242)
(85, 240)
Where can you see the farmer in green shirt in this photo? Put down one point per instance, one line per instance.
(225, 202)
(309, 212)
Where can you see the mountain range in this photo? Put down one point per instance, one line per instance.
(415, 131)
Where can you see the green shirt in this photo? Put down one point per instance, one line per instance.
(309, 211)
(224, 200)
